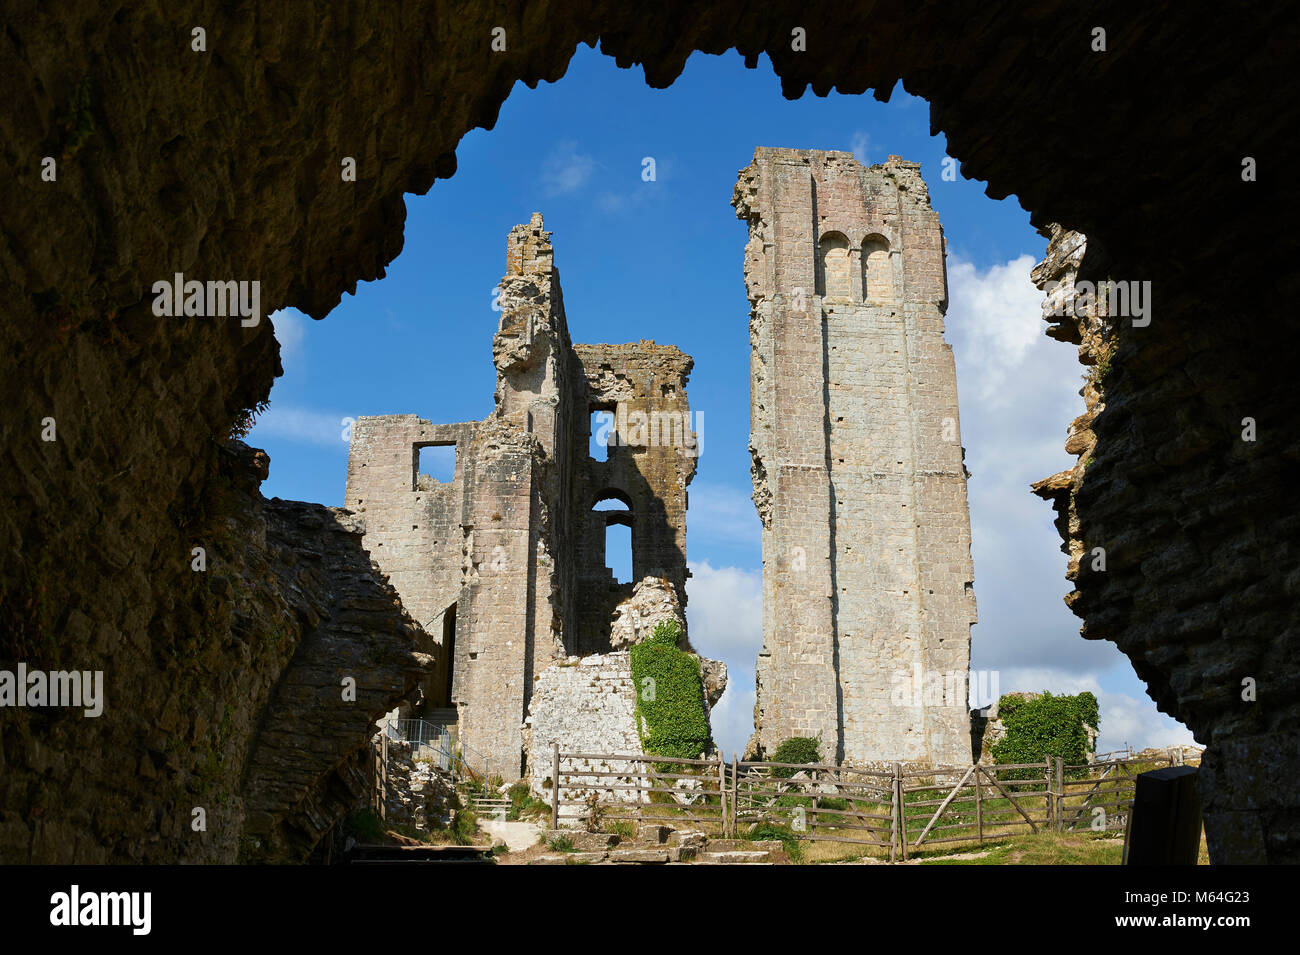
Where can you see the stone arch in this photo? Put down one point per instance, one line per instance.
(877, 269)
(834, 275)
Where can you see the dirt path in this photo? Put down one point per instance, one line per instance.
(518, 836)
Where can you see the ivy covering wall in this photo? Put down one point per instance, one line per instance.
(670, 713)
(1046, 725)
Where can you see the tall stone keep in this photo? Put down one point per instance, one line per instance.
(858, 468)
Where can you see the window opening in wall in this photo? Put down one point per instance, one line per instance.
(602, 433)
(618, 537)
(436, 464)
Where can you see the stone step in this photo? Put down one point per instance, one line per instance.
(736, 857)
(638, 855)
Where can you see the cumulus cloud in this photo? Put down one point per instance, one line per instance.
(1018, 391)
(733, 718)
(998, 311)
(722, 514)
(565, 170)
(724, 613)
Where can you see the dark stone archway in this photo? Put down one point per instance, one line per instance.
(226, 164)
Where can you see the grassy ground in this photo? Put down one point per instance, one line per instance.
(1013, 842)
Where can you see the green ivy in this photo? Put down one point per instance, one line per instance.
(670, 714)
(1045, 726)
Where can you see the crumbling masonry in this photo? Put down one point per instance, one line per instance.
(505, 564)
(858, 466)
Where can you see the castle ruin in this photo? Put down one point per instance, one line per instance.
(505, 564)
(858, 469)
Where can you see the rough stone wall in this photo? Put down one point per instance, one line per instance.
(250, 722)
(226, 165)
(413, 522)
(510, 554)
(418, 792)
(587, 705)
(858, 465)
(651, 457)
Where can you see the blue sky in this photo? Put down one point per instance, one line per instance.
(662, 260)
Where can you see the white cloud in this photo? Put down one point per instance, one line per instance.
(1018, 391)
(732, 719)
(724, 613)
(565, 170)
(721, 514)
(302, 426)
(290, 331)
(998, 316)
(860, 144)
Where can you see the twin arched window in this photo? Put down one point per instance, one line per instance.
(835, 261)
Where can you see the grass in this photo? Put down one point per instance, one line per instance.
(1046, 848)
(523, 804)
(1013, 842)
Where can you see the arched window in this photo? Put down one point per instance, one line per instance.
(877, 270)
(615, 509)
(833, 266)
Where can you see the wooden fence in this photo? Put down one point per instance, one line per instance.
(895, 809)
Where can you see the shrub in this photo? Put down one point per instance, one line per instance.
(1045, 726)
(671, 720)
(523, 802)
(464, 827)
(796, 749)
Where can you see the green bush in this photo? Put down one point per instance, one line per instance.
(796, 749)
(671, 720)
(1045, 726)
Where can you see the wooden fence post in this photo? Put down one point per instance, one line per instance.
(1060, 794)
(1047, 784)
(735, 794)
(722, 793)
(383, 775)
(893, 820)
(555, 786)
(902, 815)
(979, 804)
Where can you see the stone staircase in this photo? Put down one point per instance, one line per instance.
(657, 845)
(490, 807)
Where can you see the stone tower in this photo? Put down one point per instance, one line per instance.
(858, 468)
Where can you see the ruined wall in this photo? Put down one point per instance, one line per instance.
(506, 562)
(858, 471)
(226, 165)
(587, 705)
(249, 720)
(652, 450)
(412, 522)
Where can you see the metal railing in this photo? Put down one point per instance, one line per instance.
(435, 742)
